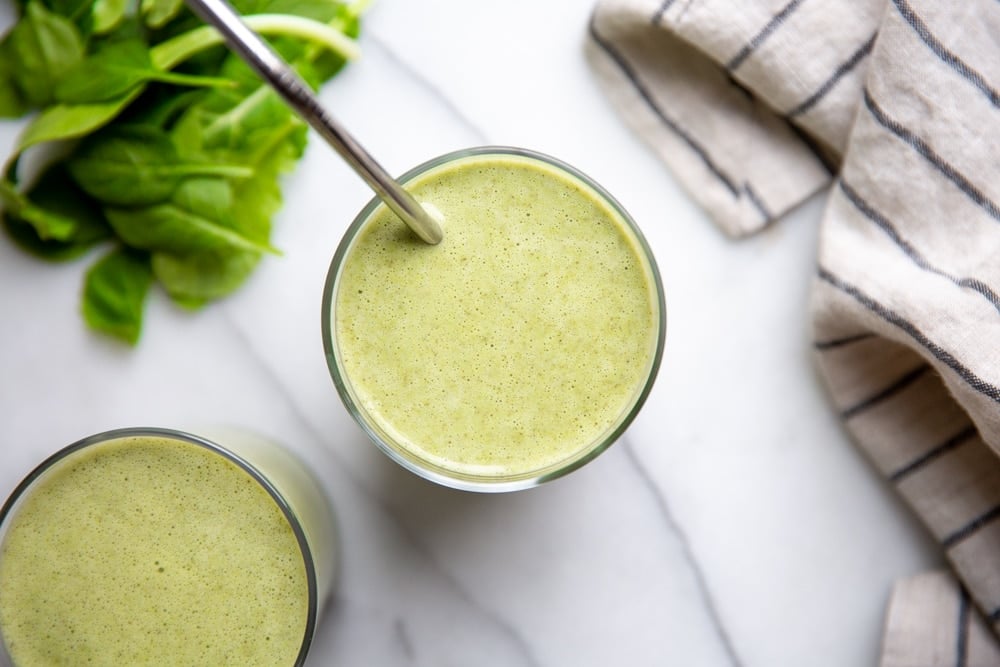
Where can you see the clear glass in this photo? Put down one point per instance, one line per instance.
(295, 491)
(432, 471)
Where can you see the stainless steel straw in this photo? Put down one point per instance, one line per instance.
(279, 75)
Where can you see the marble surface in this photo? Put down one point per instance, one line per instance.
(733, 524)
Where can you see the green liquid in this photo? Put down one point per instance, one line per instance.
(151, 551)
(516, 344)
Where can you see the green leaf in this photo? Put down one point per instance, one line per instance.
(116, 70)
(239, 121)
(107, 14)
(48, 225)
(74, 10)
(128, 28)
(197, 218)
(171, 52)
(234, 120)
(259, 198)
(187, 182)
(195, 278)
(324, 63)
(115, 292)
(137, 166)
(156, 13)
(323, 11)
(160, 106)
(12, 104)
(211, 275)
(70, 121)
(44, 47)
(57, 221)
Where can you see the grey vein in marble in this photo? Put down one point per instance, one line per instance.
(701, 582)
(402, 638)
(426, 84)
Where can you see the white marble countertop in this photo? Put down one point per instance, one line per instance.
(733, 524)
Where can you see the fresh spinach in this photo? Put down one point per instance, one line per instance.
(12, 104)
(156, 13)
(107, 14)
(70, 121)
(114, 293)
(194, 279)
(116, 70)
(138, 165)
(173, 148)
(56, 207)
(43, 46)
(198, 217)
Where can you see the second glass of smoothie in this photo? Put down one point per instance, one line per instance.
(157, 547)
(517, 349)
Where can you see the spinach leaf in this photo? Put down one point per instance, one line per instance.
(115, 291)
(160, 106)
(253, 126)
(45, 46)
(196, 277)
(74, 10)
(107, 14)
(48, 225)
(70, 121)
(239, 122)
(193, 279)
(198, 217)
(321, 64)
(128, 27)
(58, 221)
(318, 10)
(257, 200)
(156, 13)
(117, 69)
(187, 180)
(12, 104)
(138, 165)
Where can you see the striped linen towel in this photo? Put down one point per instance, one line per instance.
(894, 107)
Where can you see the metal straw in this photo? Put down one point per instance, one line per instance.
(261, 57)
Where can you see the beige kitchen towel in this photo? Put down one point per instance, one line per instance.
(894, 104)
(931, 616)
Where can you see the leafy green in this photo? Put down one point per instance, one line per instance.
(12, 104)
(138, 165)
(118, 69)
(198, 217)
(74, 10)
(195, 278)
(156, 13)
(44, 46)
(171, 146)
(107, 14)
(114, 293)
(56, 220)
(71, 121)
(49, 225)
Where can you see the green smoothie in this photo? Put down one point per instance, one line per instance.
(151, 551)
(517, 345)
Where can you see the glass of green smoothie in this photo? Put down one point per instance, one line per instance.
(517, 349)
(151, 546)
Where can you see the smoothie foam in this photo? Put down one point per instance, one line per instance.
(151, 551)
(516, 344)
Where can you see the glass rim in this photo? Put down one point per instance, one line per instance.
(25, 485)
(468, 481)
